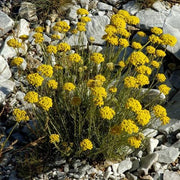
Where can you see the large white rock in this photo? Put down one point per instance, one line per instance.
(150, 18)
(6, 23)
(96, 27)
(22, 28)
(72, 14)
(172, 26)
(124, 166)
(171, 175)
(5, 72)
(162, 7)
(104, 6)
(132, 7)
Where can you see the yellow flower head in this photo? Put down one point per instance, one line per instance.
(155, 39)
(56, 36)
(24, 37)
(165, 120)
(133, 20)
(131, 82)
(133, 104)
(85, 19)
(121, 64)
(52, 84)
(107, 113)
(45, 103)
(123, 42)
(123, 13)
(142, 79)
(141, 34)
(38, 38)
(74, 31)
(155, 64)
(97, 58)
(14, 43)
(35, 79)
(118, 21)
(91, 39)
(163, 88)
(54, 138)
(98, 101)
(160, 53)
(82, 11)
(100, 78)
(46, 70)
(159, 111)
(61, 27)
(20, 115)
(51, 49)
(99, 92)
(111, 39)
(110, 30)
(17, 61)
(156, 30)
(123, 32)
(138, 58)
(31, 97)
(150, 50)
(94, 83)
(134, 142)
(143, 70)
(168, 39)
(63, 47)
(74, 57)
(39, 29)
(113, 89)
(161, 77)
(81, 26)
(129, 126)
(136, 45)
(86, 144)
(69, 86)
(143, 117)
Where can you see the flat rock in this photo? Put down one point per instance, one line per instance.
(124, 166)
(173, 126)
(114, 2)
(22, 28)
(96, 27)
(148, 19)
(72, 14)
(162, 7)
(84, 3)
(172, 26)
(152, 144)
(5, 72)
(132, 7)
(104, 6)
(6, 23)
(171, 175)
(148, 132)
(168, 155)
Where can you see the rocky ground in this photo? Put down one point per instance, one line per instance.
(160, 159)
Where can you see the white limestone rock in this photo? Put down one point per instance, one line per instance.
(132, 7)
(22, 28)
(6, 23)
(103, 6)
(84, 3)
(96, 28)
(152, 144)
(171, 175)
(124, 166)
(72, 14)
(5, 72)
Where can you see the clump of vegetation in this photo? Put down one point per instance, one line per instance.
(145, 4)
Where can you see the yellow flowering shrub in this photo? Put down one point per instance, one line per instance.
(142, 79)
(123, 42)
(61, 27)
(150, 49)
(131, 82)
(141, 34)
(38, 38)
(143, 117)
(155, 64)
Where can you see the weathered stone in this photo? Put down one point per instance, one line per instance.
(84, 4)
(114, 2)
(156, 166)
(146, 163)
(150, 132)
(124, 166)
(171, 175)
(72, 14)
(135, 165)
(152, 144)
(104, 6)
(131, 176)
(162, 7)
(148, 19)
(6, 23)
(96, 27)
(132, 7)
(22, 28)
(5, 72)
(28, 11)
(168, 155)
(175, 78)
(171, 127)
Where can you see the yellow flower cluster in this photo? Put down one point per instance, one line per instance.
(129, 126)
(46, 70)
(100, 78)
(142, 79)
(74, 57)
(121, 64)
(155, 64)
(110, 30)
(82, 11)
(98, 101)
(160, 53)
(35, 79)
(123, 32)
(54, 138)
(161, 113)
(51, 49)
(161, 77)
(31, 97)
(113, 89)
(99, 92)
(143, 69)
(168, 39)
(111, 39)
(123, 42)
(56, 36)
(163, 88)
(39, 29)
(107, 113)
(141, 34)
(61, 27)
(134, 142)
(69, 86)
(133, 104)
(14, 43)
(94, 83)
(143, 117)
(118, 21)
(45, 102)
(150, 49)
(20, 115)
(17, 61)
(63, 47)
(156, 30)
(155, 39)
(81, 26)
(52, 84)
(133, 20)
(24, 37)
(86, 144)
(130, 82)
(138, 58)
(85, 19)
(136, 45)
(97, 58)
(38, 38)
